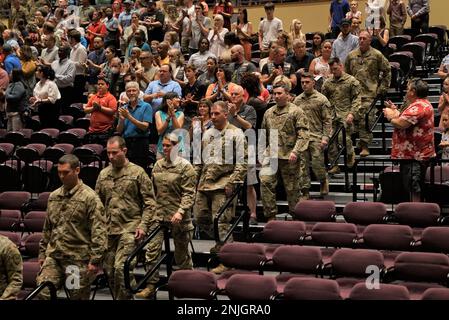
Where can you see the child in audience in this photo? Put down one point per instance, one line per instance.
(355, 12)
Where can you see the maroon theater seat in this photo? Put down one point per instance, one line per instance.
(250, 287)
(315, 210)
(384, 292)
(193, 284)
(311, 289)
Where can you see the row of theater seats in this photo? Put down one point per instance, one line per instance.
(391, 240)
(297, 272)
(32, 167)
(48, 137)
(417, 215)
(20, 213)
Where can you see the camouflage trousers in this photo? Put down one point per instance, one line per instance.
(207, 204)
(120, 246)
(72, 274)
(290, 173)
(365, 137)
(339, 121)
(182, 235)
(315, 156)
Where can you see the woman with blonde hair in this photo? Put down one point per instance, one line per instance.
(296, 30)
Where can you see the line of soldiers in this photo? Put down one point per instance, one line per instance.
(88, 231)
(91, 230)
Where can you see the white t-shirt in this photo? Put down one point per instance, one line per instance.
(270, 31)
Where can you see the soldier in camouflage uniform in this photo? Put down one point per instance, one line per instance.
(75, 234)
(224, 165)
(127, 193)
(291, 125)
(343, 92)
(174, 183)
(372, 70)
(10, 269)
(319, 112)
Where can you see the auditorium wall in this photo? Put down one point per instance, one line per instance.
(314, 16)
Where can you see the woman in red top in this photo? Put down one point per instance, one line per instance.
(102, 107)
(413, 137)
(226, 10)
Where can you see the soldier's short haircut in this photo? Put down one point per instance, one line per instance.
(420, 87)
(284, 80)
(70, 159)
(223, 106)
(173, 138)
(117, 139)
(334, 60)
(282, 85)
(308, 75)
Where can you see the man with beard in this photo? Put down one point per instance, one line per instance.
(239, 65)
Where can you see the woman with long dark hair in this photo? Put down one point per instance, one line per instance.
(209, 76)
(168, 119)
(244, 29)
(44, 98)
(220, 90)
(318, 39)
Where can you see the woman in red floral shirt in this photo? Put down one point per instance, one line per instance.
(413, 136)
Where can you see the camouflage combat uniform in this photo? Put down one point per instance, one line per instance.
(127, 194)
(344, 96)
(10, 270)
(373, 72)
(319, 113)
(293, 133)
(74, 235)
(174, 183)
(219, 169)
